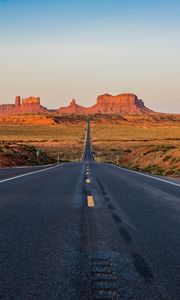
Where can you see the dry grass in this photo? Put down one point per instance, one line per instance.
(41, 133)
(125, 133)
(67, 141)
(153, 149)
(148, 143)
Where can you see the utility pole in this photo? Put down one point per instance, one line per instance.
(58, 159)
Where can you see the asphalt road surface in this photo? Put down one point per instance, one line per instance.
(88, 231)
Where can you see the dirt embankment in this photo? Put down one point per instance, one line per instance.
(13, 154)
(161, 159)
(147, 143)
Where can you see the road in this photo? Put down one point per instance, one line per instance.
(88, 231)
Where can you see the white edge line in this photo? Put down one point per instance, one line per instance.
(142, 174)
(30, 173)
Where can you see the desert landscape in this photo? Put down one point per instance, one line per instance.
(89, 150)
(141, 139)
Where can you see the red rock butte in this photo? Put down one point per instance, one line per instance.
(27, 105)
(105, 104)
(108, 104)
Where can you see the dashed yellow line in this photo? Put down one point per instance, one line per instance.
(90, 201)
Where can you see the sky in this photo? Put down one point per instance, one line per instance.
(64, 49)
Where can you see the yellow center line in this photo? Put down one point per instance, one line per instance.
(90, 201)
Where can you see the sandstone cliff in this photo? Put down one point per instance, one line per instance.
(72, 108)
(108, 104)
(27, 105)
(105, 104)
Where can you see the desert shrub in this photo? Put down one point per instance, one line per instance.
(177, 172)
(136, 167)
(175, 159)
(163, 148)
(170, 171)
(153, 169)
(128, 150)
(166, 148)
(167, 157)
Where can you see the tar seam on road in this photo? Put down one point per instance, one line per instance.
(159, 179)
(30, 173)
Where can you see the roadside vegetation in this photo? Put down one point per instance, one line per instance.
(151, 159)
(63, 141)
(151, 149)
(14, 154)
(147, 143)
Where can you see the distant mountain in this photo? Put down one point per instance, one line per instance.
(21, 106)
(105, 104)
(108, 104)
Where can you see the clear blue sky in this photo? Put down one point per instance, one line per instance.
(63, 49)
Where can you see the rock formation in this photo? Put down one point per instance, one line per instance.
(27, 105)
(31, 101)
(72, 108)
(108, 104)
(105, 104)
(123, 103)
